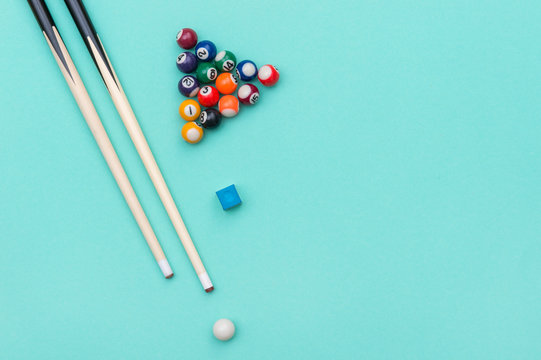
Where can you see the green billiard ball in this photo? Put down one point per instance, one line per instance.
(206, 72)
(225, 60)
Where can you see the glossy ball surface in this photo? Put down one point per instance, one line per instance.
(208, 96)
(225, 60)
(189, 110)
(210, 118)
(223, 329)
(192, 132)
(205, 50)
(186, 38)
(188, 86)
(228, 106)
(187, 62)
(206, 72)
(248, 94)
(268, 75)
(246, 70)
(226, 83)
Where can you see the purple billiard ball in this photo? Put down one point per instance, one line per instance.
(187, 62)
(188, 86)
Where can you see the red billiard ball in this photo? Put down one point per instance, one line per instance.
(268, 75)
(208, 96)
(248, 94)
(186, 38)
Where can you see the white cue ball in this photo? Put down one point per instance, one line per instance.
(223, 329)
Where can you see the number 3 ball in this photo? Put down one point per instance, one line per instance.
(268, 75)
(246, 70)
(189, 110)
(229, 106)
(208, 96)
(226, 83)
(192, 132)
(188, 86)
(206, 72)
(205, 50)
(187, 62)
(210, 118)
(225, 60)
(186, 38)
(248, 94)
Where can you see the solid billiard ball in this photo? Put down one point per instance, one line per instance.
(226, 83)
(228, 106)
(225, 60)
(188, 86)
(248, 94)
(192, 132)
(246, 70)
(189, 110)
(210, 118)
(205, 50)
(223, 329)
(206, 72)
(186, 38)
(208, 96)
(268, 75)
(187, 62)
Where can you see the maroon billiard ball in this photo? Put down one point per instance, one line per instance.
(186, 38)
(248, 94)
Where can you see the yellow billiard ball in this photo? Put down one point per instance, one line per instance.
(192, 132)
(189, 110)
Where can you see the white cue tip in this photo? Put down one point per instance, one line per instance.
(166, 269)
(205, 281)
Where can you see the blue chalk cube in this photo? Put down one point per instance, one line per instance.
(229, 197)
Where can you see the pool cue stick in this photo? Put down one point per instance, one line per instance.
(97, 51)
(62, 57)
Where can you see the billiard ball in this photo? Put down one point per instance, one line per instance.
(246, 70)
(225, 60)
(228, 106)
(210, 118)
(188, 86)
(223, 329)
(206, 72)
(226, 83)
(187, 62)
(189, 110)
(186, 38)
(248, 94)
(208, 96)
(205, 50)
(268, 75)
(192, 132)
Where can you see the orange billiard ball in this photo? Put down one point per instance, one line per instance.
(226, 83)
(228, 106)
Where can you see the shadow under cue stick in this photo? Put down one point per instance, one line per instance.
(97, 51)
(60, 53)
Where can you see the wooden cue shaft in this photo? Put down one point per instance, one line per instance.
(97, 51)
(88, 110)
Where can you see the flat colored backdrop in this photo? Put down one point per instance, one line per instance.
(391, 185)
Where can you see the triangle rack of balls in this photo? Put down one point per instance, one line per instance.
(210, 83)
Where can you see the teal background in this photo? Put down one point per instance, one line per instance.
(391, 186)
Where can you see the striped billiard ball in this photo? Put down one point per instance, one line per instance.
(228, 106)
(189, 110)
(248, 94)
(208, 96)
(192, 132)
(188, 86)
(187, 62)
(268, 75)
(186, 38)
(225, 60)
(210, 118)
(205, 50)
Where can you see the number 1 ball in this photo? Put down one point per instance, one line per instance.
(225, 60)
(187, 62)
(268, 75)
(188, 86)
(205, 50)
(189, 110)
(208, 96)
(192, 132)
(246, 70)
(210, 118)
(248, 94)
(186, 38)
(229, 106)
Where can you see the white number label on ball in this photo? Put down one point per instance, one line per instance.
(189, 110)
(254, 98)
(212, 73)
(181, 58)
(234, 79)
(179, 34)
(228, 65)
(188, 82)
(202, 53)
(203, 117)
(205, 90)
